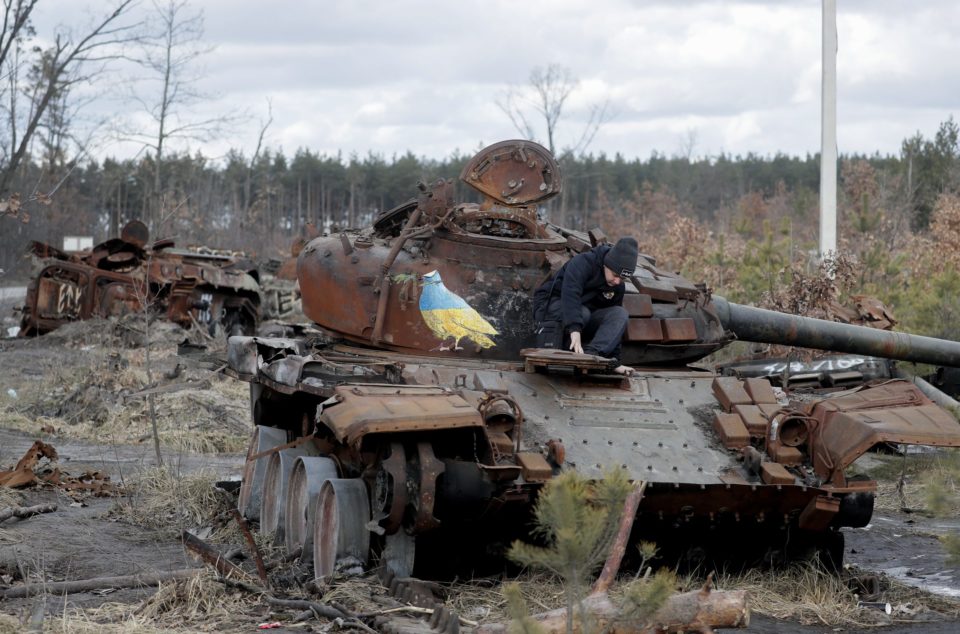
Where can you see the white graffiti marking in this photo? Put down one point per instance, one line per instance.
(823, 365)
(68, 299)
(206, 299)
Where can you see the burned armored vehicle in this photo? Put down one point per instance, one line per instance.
(420, 425)
(128, 274)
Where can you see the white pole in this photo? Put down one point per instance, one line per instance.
(828, 132)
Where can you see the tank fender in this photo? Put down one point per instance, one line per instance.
(896, 411)
(364, 409)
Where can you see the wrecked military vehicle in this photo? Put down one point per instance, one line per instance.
(418, 428)
(128, 274)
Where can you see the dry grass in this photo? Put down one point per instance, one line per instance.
(10, 624)
(91, 402)
(198, 600)
(926, 482)
(9, 497)
(167, 502)
(476, 599)
(198, 604)
(808, 594)
(483, 599)
(804, 593)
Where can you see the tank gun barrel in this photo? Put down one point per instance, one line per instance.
(749, 323)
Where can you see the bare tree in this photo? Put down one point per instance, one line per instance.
(248, 180)
(170, 55)
(16, 29)
(38, 80)
(543, 99)
(688, 144)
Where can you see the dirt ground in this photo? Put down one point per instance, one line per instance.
(76, 389)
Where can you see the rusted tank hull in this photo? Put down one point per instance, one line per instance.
(445, 423)
(464, 449)
(119, 278)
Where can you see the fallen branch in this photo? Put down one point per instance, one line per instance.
(169, 388)
(213, 557)
(312, 609)
(317, 609)
(258, 557)
(84, 585)
(412, 609)
(26, 511)
(697, 611)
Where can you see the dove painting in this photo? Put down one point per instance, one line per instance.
(448, 316)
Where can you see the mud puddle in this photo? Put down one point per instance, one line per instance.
(906, 548)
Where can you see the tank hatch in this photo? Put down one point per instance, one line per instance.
(514, 173)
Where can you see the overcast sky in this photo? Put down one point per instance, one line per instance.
(424, 76)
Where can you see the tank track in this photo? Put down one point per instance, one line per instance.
(420, 594)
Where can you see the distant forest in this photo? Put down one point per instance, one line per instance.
(704, 217)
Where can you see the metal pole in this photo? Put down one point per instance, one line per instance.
(828, 132)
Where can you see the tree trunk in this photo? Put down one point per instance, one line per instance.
(700, 610)
(619, 546)
(26, 511)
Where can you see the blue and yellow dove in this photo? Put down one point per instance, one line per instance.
(448, 315)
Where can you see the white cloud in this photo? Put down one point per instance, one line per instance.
(361, 75)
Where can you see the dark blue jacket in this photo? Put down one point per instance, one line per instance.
(580, 282)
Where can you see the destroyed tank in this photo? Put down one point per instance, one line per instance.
(416, 426)
(125, 275)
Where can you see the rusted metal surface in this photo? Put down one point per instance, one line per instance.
(38, 466)
(125, 275)
(845, 427)
(731, 430)
(390, 489)
(767, 326)
(309, 475)
(263, 439)
(340, 530)
(541, 358)
(375, 409)
(430, 469)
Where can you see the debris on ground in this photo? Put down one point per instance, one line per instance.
(38, 467)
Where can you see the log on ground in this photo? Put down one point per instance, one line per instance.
(697, 611)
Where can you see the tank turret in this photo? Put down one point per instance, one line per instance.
(379, 286)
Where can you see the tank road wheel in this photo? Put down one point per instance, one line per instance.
(251, 485)
(309, 474)
(340, 529)
(275, 486)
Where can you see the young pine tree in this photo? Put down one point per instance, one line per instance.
(577, 519)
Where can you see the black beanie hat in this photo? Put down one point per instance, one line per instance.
(622, 258)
